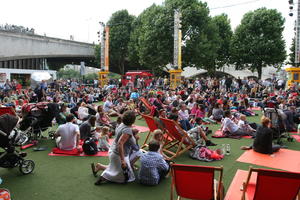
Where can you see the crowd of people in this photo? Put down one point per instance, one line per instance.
(192, 105)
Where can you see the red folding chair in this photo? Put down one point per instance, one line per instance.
(272, 184)
(7, 110)
(146, 103)
(152, 127)
(196, 182)
(180, 143)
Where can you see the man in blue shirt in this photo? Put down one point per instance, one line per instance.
(134, 95)
(153, 165)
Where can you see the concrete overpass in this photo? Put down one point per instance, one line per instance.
(29, 51)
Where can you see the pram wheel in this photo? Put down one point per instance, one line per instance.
(51, 135)
(26, 166)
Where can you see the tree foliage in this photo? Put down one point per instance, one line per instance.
(258, 41)
(68, 74)
(120, 30)
(208, 42)
(97, 53)
(292, 54)
(151, 43)
(225, 35)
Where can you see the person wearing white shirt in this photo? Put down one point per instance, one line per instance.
(108, 107)
(230, 127)
(83, 112)
(184, 117)
(67, 135)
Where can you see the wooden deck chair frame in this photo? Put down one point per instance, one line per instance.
(218, 188)
(146, 103)
(251, 170)
(182, 142)
(152, 125)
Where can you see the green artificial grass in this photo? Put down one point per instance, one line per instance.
(70, 178)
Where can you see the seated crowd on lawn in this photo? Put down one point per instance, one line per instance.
(196, 103)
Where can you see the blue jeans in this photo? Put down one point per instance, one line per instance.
(185, 124)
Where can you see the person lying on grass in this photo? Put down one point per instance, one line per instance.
(153, 166)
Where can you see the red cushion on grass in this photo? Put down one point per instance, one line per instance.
(70, 152)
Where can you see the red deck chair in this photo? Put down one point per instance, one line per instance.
(152, 127)
(264, 184)
(7, 110)
(181, 141)
(146, 103)
(272, 184)
(196, 182)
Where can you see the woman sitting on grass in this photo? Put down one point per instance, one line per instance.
(119, 169)
(263, 142)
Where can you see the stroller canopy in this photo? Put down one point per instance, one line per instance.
(8, 123)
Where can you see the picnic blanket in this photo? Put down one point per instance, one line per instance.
(58, 152)
(141, 129)
(284, 159)
(296, 137)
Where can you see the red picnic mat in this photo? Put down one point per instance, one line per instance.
(296, 137)
(234, 191)
(284, 159)
(256, 108)
(141, 129)
(58, 152)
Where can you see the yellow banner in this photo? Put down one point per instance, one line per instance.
(179, 49)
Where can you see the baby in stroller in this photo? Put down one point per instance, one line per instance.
(9, 139)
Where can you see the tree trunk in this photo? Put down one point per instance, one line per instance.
(259, 71)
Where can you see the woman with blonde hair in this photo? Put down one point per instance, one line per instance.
(263, 142)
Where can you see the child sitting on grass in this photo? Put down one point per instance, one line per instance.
(158, 136)
(103, 140)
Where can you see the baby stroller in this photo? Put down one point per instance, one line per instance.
(38, 117)
(277, 125)
(9, 139)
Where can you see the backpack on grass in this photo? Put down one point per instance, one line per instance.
(89, 146)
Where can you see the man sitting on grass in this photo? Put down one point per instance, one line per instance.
(153, 165)
(67, 135)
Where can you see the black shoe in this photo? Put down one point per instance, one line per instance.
(210, 143)
(100, 181)
(23, 154)
(209, 132)
(93, 169)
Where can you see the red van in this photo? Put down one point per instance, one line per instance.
(133, 75)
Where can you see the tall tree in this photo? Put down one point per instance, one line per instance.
(200, 38)
(97, 59)
(225, 35)
(152, 39)
(258, 40)
(120, 30)
(292, 54)
(152, 42)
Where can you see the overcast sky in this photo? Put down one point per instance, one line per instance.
(62, 18)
